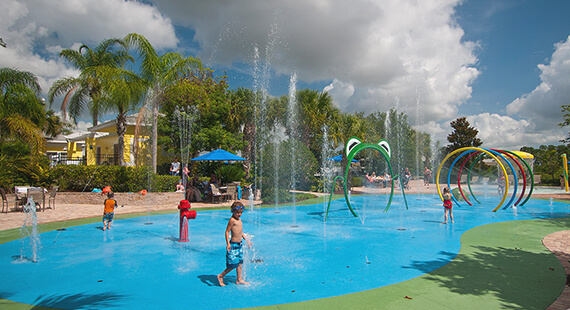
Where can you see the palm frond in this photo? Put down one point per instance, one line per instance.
(25, 130)
(10, 77)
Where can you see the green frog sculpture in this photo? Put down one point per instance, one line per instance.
(353, 147)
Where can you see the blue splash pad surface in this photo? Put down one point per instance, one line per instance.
(296, 255)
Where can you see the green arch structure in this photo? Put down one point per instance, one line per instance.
(353, 147)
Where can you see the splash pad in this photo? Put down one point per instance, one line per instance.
(139, 266)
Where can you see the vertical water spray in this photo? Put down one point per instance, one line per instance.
(29, 232)
(185, 118)
(276, 166)
(326, 171)
(419, 137)
(293, 136)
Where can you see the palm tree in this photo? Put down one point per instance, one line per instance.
(159, 72)
(85, 90)
(22, 113)
(242, 116)
(121, 91)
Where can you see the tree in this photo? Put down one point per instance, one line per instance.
(463, 135)
(214, 124)
(159, 72)
(243, 104)
(22, 113)
(85, 90)
(121, 92)
(566, 122)
(315, 110)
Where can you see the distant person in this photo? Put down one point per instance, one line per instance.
(179, 187)
(427, 176)
(234, 254)
(213, 180)
(501, 182)
(406, 179)
(387, 179)
(175, 167)
(109, 210)
(447, 205)
(192, 191)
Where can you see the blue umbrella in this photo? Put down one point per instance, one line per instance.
(339, 158)
(218, 155)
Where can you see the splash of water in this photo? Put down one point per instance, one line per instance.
(29, 232)
(326, 171)
(185, 120)
(293, 132)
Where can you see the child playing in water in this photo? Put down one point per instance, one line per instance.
(109, 210)
(447, 204)
(234, 254)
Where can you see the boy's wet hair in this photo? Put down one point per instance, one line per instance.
(110, 195)
(237, 206)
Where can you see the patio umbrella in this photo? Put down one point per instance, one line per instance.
(218, 155)
(338, 158)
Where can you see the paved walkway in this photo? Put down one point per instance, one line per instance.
(559, 244)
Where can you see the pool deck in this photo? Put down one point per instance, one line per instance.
(557, 242)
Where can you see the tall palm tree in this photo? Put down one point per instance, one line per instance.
(242, 116)
(158, 72)
(22, 113)
(85, 90)
(121, 92)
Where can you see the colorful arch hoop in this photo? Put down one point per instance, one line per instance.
(471, 149)
(500, 154)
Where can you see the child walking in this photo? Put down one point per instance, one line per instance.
(447, 204)
(234, 254)
(109, 210)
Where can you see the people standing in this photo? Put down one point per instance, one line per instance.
(427, 176)
(175, 167)
(109, 210)
(234, 236)
(447, 205)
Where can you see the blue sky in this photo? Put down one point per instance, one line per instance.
(505, 65)
(515, 37)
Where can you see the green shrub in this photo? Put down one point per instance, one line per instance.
(79, 178)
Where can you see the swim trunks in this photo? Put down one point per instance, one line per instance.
(234, 257)
(108, 216)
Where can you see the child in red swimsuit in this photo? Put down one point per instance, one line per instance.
(447, 204)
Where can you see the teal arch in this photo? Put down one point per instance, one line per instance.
(353, 147)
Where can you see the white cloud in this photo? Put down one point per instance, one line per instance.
(507, 133)
(376, 50)
(35, 31)
(542, 106)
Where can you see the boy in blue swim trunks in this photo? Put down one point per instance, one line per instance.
(234, 254)
(109, 210)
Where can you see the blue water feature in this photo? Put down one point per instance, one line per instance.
(295, 257)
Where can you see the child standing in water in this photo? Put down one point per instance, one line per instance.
(109, 210)
(447, 204)
(234, 254)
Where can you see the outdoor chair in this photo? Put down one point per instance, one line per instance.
(38, 195)
(231, 192)
(20, 192)
(4, 200)
(51, 198)
(215, 193)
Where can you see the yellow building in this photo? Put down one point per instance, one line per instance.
(102, 144)
(65, 149)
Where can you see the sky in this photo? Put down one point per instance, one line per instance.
(502, 64)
